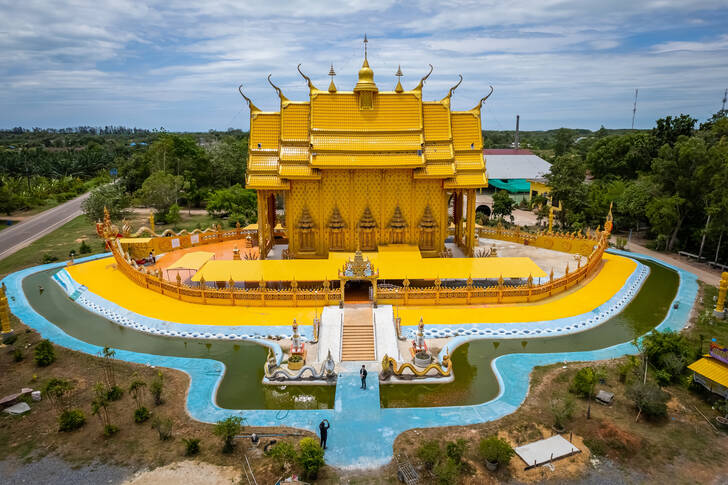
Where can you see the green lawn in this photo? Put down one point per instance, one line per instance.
(56, 244)
(67, 237)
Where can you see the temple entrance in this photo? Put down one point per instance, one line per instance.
(357, 291)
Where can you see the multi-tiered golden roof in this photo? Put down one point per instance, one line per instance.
(358, 138)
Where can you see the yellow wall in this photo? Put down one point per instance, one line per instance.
(354, 190)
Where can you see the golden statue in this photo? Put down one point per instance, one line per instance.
(722, 291)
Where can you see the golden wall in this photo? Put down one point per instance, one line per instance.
(352, 191)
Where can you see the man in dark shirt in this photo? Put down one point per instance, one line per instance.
(324, 432)
(363, 374)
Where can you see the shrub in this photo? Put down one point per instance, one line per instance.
(114, 393)
(163, 427)
(156, 388)
(48, 258)
(310, 457)
(283, 453)
(110, 430)
(172, 216)
(226, 429)
(649, 399)
(141, 415)
(621, 242)
(71, 419)
(447, 472)
(45, 354)
(562, 410)
(10, 338)
(455, 450)
(663, 377)
(673, 364)
(17, 355)
(496, 450)
(192, 446)
(595, 446)
(430, 453)
(585, 381)
(84, 248)
(627, 368)
(658, 344)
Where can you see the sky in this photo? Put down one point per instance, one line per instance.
(177, 64)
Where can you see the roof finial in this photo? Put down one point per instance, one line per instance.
(247, 99)
(308, 79)
(482, 100)
(422, 81)
(332, 73)
(365, 45)
(399, 74)
(278, 90)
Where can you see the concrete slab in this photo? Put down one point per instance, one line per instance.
(19, 408)
(545, 451)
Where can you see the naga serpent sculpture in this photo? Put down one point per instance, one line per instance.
(274, 373)
(389, 364)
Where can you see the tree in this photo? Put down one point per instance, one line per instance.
(584, 384)
(111, 196)
(680, 173)
(667, 130)
(563, 141)
(235, 202)
(100, 408)
(566, 179)
(502, 204)
(160, 191)
(45, 354)
(622, 156)
(648, 398)
(226, 429)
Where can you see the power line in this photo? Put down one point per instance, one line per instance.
(634, 108)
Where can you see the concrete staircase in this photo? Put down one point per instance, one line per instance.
(357, 338)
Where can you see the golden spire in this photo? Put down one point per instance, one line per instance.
(332, 73)
(399, 74)
(366, 75)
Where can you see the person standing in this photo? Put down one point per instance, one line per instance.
(363, 374)
(324, 432)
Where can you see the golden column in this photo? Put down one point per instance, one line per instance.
(263, 223)
(4, 312)
(719, 311)
(470, 224)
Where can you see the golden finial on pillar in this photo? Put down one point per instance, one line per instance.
(4, 312)
(722, 291)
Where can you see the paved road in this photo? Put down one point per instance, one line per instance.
(20, 235)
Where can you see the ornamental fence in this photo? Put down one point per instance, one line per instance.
(227, 293)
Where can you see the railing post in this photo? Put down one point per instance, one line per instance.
(202, 289)
(261, 288)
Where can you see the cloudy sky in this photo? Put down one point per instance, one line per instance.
(177, 64)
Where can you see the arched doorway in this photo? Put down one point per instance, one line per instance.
(358, 291)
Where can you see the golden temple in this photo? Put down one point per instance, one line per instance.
(363, 168)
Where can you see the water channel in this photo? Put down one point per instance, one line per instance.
(241, 386)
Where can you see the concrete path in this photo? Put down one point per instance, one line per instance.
(353, 433)
(702, 271)
(330, 333)
(385, 333)
(20, 235)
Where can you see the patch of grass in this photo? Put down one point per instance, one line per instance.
(56, 244)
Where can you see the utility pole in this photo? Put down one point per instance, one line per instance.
(725, 97)
(634, 108)
(517, 141)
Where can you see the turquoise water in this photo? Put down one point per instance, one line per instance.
(241, 387)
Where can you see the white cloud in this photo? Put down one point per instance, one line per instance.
(174, 63)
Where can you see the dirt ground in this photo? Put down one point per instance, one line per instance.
(681, 448)
(136, 445)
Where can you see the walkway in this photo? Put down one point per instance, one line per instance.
(362, 435)
(102, 279)
(704, 274)
(20, 235)
(357, 339)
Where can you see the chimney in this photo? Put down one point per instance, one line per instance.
(518, 120)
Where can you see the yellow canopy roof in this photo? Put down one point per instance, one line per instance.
(194, 260)
(393, 262)
(711, 368)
